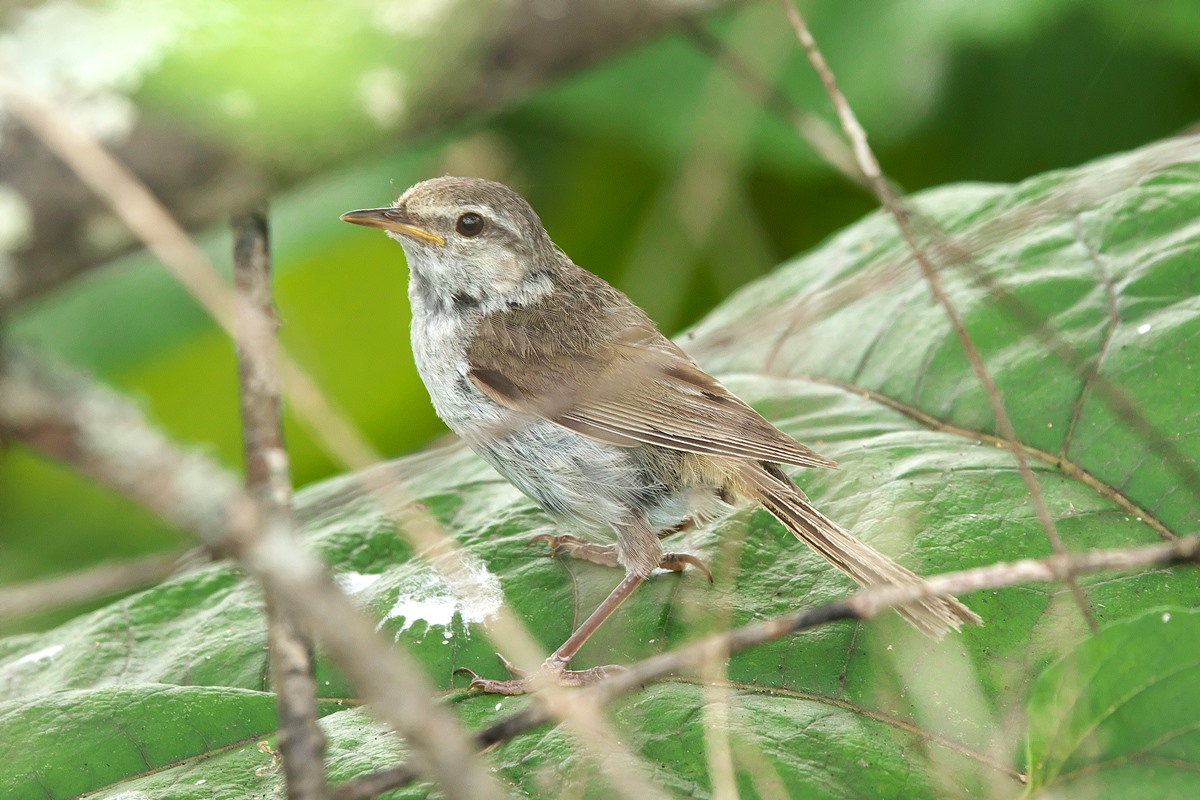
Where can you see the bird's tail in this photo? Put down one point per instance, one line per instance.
(933, 616)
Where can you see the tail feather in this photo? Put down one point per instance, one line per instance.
(933, 616)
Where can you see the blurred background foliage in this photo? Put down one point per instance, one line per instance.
(658, 169)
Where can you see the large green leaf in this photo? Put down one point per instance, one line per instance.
(1121, 712)
(62, 744)
(877, 381)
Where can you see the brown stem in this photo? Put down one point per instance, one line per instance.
(301, 741)
(89, 428)
(93, 583)
(894, 205)
(865, 604)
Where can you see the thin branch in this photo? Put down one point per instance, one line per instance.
(93, 583)
(1099, 183)
(1063, 465)
(126, 195)
(1119, 401)
(1093, 186)
(819, 134)
(1084, 190)
(892, 202)
(301, 741)
(100, 434)
(692, 659)
(260, 390)
(93, 430)
(166, 239)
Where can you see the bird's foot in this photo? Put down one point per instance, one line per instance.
(677, 561)
(551, 673)
(564, 544)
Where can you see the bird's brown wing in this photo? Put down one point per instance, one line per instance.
(618, 381)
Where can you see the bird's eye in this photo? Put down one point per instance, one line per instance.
(469, 224)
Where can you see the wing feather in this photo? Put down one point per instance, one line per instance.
(622, 382)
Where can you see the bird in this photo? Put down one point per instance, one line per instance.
(569, 390)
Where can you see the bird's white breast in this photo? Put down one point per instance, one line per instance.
(439, 345)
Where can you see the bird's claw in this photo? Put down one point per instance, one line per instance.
(677, 561)
(559, 543)
(490, 686)
(525, 682)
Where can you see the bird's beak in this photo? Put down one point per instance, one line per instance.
(391, 219)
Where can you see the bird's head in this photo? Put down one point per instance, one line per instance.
(465, 236)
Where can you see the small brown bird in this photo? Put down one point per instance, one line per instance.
(569, 390)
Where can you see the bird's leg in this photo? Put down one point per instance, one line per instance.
(564, 544)
(554, 670)
(641, 553)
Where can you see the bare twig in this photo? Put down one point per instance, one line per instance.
(819, 134)
(260, 390)
(166, 239)
(1068, 468)
(692, 659)
(1119, 401)
(93, 583)
(100, 434)
(301, 741)
(892, 202)
(128, 197)
(1097, 184)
